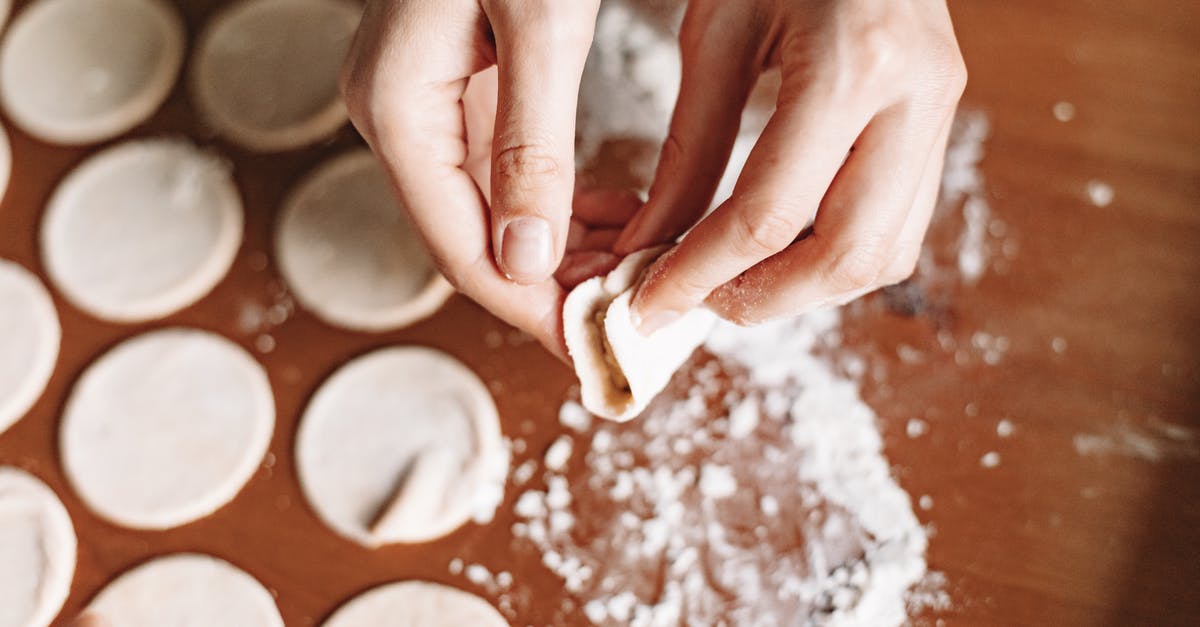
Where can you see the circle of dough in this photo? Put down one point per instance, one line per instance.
(84, 71)
(185, 590)
(30, 336)
(415, 604)
(37, 551)
(369, 422)
(349, 253)
(265, 72)
(142, 230)
(166, 428)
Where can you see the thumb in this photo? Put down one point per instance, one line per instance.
(541, 48)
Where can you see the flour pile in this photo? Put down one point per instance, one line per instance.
(753, 492)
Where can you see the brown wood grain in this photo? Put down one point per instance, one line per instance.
(1049, 537)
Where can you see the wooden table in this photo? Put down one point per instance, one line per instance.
(1050, 536)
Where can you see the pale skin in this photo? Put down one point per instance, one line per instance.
(484, 159)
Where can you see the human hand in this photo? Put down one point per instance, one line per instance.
(854, 148)
(483, 162)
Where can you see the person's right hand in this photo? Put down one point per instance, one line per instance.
(486, 173)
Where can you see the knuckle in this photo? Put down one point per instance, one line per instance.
(526, 166)
(948, 74)
(856, 267)
(879, 53)
(764, 232)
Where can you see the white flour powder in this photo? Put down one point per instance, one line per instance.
(677, 520)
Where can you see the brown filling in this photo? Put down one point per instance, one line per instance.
(616, 376)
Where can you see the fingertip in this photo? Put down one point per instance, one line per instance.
(647, 317)
(526, 253)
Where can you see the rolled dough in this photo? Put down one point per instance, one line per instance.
(401, 445)
(37, 551)
(29, 341)
(166, 428)
(186, 590)
(84, 71)
(142, 230)
(620, 371)
(349, 253)
(265, 72)
(416, 604)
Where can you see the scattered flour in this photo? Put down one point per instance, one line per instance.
(963, 186)
(1100, 193)
(990, 459)
(1152, 441)
(1064, 111)
(796, 520)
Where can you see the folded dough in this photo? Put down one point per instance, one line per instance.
(619, 370)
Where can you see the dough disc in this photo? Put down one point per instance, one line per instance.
(37, 551)
(84, 71)
(29, 340)
(416, 604)
(401, 445)
(349, 253)
(265, 72)
(142, 230)
(166, 428)
(620, 371)
(186, 590)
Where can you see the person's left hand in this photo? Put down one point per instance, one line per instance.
(868, 94)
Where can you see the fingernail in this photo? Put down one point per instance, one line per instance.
(527, 250)
(655, 321)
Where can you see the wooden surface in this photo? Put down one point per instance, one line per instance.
(1049, 537)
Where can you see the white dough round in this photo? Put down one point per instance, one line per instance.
(401, 445)
(30, 335)
(84, 71)
(186, 590)
(37, 551)
(166, 428)
(265, 72)
(348, 251)
(416, 604)
(142, 230)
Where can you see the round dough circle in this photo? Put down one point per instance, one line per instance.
(30, 336)
(410, 430)
(347, 250)
(265, 72)
(84, 71)
(166, 428)
(415, 604)
(186, 589)
(37, 551)
(142, 230)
